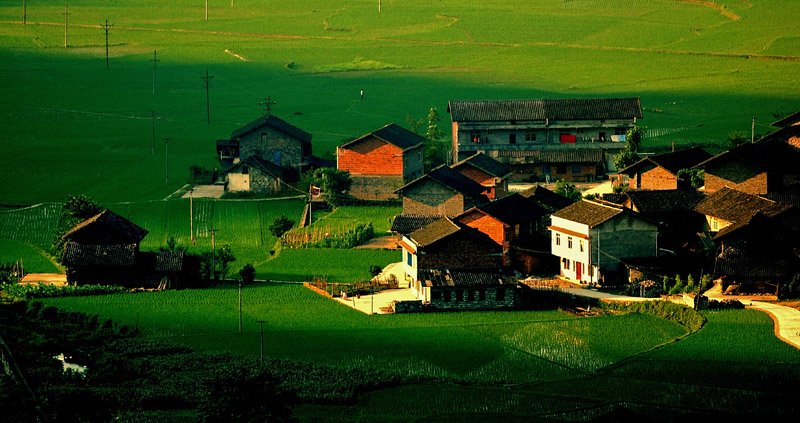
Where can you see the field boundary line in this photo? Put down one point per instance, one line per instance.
(722, 9)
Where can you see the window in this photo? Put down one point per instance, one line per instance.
(459, 296)
(620, 131)
(575, 169)
(276, 157)
(447, 296)
(475, 136)
(512, 138)
(566, 264)
(409, 258)
(530, 136)
(245, 170)
(580, 245)
(501, 294)
(569, 242)
(558, 239)
(489, 132)
(547, 169)
(471, 295)
(714, 225)
(482, 295)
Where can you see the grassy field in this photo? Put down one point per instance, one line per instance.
(490, 347)
(72, 126)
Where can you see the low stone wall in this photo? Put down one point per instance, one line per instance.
(412, 306)
(449, 298)
(379, 188)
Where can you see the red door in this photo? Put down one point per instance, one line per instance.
(578, 270)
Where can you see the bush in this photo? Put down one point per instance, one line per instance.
(248, 273)
(280, 225)
(26, 292)
(790, 289)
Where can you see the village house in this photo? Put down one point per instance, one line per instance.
(446, 244)
(512, 130)
(381, 161)
(729, 206)
(591, 238)
(486, 171)
(404, 224)
(760, 168)
(104, 249)
(257, 175)
(546, 199)
(443, 191)
(660, 172)
(467, 289)
(271, 139)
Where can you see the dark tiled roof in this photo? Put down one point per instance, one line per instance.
(791, 198)
(407, 223)
(582, 155)
(486, 164)
(664, 200)
(168, 261)
(782, 134)
(442, 229)
(589, 213)
(395, 135)
(615, 198)
(454, 180)
(766, 156)
(98, 255)
(466, 277)
(513, 209)
(745, 267)
(108, 220)
(257, 162)
(317, 162)
(736, 206)
(539, 110)
(275, 123)
(542, 195)
(788, 120)
(672, 162)
(227, 143)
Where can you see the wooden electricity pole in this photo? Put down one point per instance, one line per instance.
(261, 322)
(208, 109)
(153, 117)
(166, 161)
(25, 13)
(206, 10)
(154, 70)
(267, 103)
(106, 26)
(753, 131)
(66, 23)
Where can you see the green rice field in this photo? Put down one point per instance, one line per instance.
(71, 126)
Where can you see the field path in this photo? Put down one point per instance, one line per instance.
(755, 56)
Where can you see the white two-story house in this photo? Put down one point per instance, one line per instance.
(592, 237)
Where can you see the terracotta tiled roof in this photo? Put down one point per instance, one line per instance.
(98, 255)
(589, 213)
(766, 156)
(544, 196)
(513, 209)
(454, 180)
(275, 123)
(395, 135)
(486, 164)
(672, 162)
(108, 220)
(442, 229)
(582, 155)
(658, 201)
(539, 110)
(736, 206)
(466, 277)
(407, 223)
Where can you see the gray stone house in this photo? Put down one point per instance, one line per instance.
(257, 175)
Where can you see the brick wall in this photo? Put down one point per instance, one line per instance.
(654, 178)
(459, 251)
(486, 224)
(291, 149)
(371, 156)
(375, 187)
(429, 197)
(469, 298)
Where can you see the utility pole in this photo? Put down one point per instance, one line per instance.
(240, 306)
(213, 255)
(154, 70)
(267, 103)
(191, 215)
(206, 10)
(753, 131)
(106, 26)
(261, 322)
(66, 23)
(208, 109)
(153, 118)
(166, 160)
(25, 13)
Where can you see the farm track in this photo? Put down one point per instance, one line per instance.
(746, 56)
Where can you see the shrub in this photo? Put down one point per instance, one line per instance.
(280, 225)
(248, 273)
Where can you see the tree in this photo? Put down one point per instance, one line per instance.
(695, 177)
(335, 183)
(626, 157)
(790, 289)
(567, 189)
(737, 138)
(280, 225)
(633, 138)
(435, 148)
(414, 124)
(76, 209)
(224, 257)
(248, 273)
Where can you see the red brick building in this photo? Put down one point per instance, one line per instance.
(579, 165)
(661, 171)
(760, 168)
(486, 171)
(443, 191)
(381, 162)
